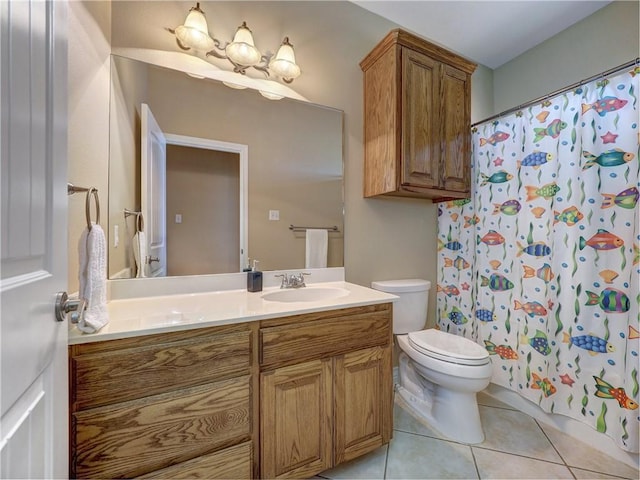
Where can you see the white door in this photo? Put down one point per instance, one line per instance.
(33, 145)
(154, 201)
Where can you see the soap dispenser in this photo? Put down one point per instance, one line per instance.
(248, 267)
(254, 279)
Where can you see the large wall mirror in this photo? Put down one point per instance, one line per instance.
(293, 171)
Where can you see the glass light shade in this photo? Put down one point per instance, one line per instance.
(195, 33)
(242, 50)
(284, 63)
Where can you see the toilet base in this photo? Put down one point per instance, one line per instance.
(453, 414)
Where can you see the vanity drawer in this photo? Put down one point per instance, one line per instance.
(122, 370)
(233, 462)
(323, 334)
(140, 436)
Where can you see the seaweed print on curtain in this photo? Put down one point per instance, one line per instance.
(541, 266)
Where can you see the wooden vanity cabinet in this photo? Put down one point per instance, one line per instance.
(417, 119)
(172, 405)
(312, 390)
(326, 389)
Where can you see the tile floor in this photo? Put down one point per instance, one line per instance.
(516, 447)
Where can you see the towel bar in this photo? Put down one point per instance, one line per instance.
(304, 229)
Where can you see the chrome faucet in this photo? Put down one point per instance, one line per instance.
(293, 280)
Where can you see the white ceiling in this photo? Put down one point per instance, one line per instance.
(487, 32)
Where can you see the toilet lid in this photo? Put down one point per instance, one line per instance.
(448, 347)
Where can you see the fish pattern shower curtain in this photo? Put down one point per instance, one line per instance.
(541, 265)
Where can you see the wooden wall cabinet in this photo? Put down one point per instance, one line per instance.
(417, 119)
(326, 387)
(174, 405)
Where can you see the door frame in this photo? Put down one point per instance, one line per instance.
(243, 153)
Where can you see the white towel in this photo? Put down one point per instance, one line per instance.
(316, 248)
(140, 254)
(92, 250)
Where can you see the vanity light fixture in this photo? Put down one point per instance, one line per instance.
(241, 52)
(194, 33)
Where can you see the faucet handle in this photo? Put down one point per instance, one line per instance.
(285, 280)
(299, 279)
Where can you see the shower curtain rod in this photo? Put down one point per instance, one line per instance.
(562, 90)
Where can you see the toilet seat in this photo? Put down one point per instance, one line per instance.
(448, 347)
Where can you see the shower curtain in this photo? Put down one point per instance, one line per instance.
(541, 265)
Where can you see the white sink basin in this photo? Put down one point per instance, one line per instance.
(306, 294)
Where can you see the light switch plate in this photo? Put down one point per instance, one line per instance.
(274, 214)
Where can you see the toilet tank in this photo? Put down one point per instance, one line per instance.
(410, 311)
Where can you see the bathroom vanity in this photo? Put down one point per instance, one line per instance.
(229, 385)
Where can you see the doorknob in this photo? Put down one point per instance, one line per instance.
(64, 306)
(151, 259)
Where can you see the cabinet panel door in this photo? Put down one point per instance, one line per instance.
(363, 402)
(296, 411)
(420, 143)
(456, 138)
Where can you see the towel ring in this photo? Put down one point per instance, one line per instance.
(139, 222)
(92, 191)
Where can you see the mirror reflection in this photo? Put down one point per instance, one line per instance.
(218, 214)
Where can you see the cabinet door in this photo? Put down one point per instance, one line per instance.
(296, 411)
(420, 142)
(455, 117)
(363, 402)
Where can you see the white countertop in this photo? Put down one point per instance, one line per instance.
(167, 313)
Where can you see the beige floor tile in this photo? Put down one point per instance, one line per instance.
(414, 456)
(589, 475)
(578, 454)
(498, 465)
(512, 431)
(369, 466)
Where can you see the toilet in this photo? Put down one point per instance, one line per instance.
(439, 373)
